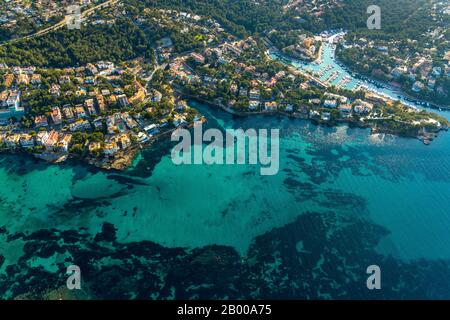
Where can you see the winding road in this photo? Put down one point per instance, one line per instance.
(64, 22)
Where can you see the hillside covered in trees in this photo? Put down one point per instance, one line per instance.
(125, 39)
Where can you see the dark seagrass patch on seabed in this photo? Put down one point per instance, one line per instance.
(328, 261)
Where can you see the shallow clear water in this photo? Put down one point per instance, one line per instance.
(397, 183)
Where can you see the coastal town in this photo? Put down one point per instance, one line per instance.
(99, 112)
(19, 17)
(103, 112)
(241, 78)
(419, 65)
(235, 150)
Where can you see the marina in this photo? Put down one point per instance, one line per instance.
(331, 72)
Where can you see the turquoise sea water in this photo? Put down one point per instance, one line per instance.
(396, 183)
(343, 199)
